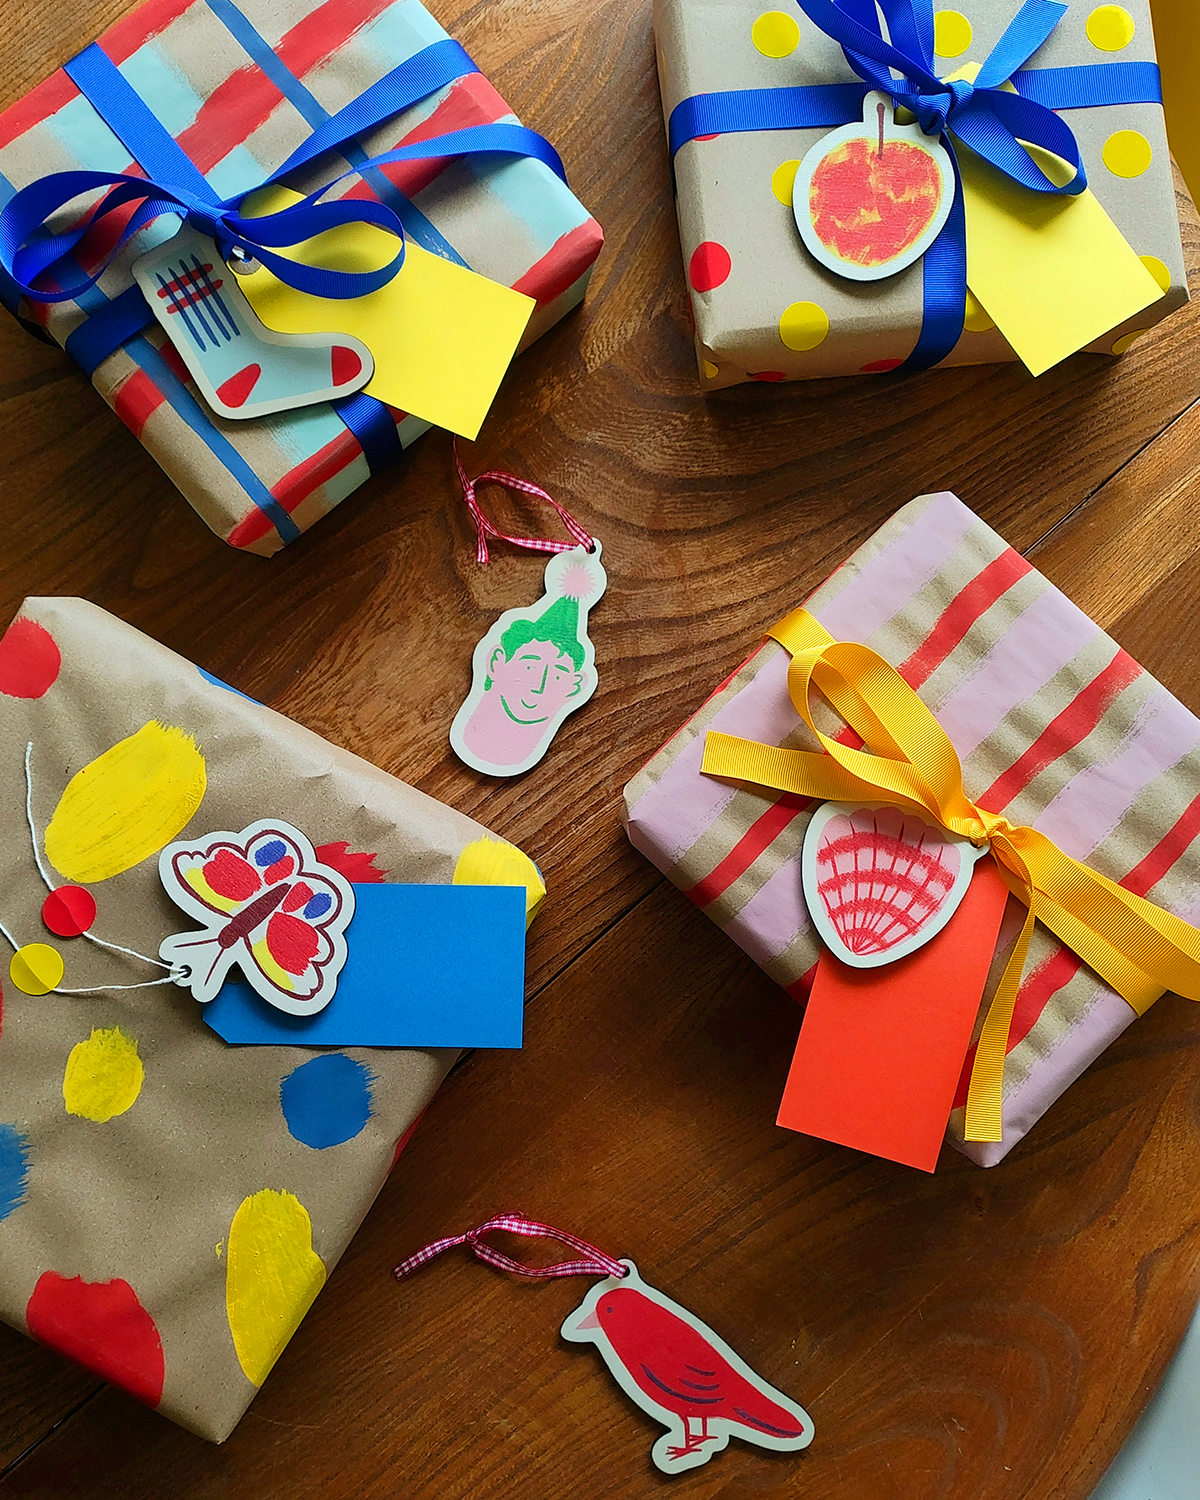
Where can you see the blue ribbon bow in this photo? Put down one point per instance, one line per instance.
(173, 184)
(993, 121)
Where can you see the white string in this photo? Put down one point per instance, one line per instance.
(50, 886)
(174, 972)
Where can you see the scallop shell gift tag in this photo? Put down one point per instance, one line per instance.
(872, 197)
(880, 882)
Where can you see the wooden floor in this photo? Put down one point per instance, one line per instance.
(967, 1336)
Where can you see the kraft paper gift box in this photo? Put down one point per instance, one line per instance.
(763, 308)
(240, 88)
(1055, 725)
(155, 1182)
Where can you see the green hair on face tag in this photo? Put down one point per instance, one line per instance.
(559, 626)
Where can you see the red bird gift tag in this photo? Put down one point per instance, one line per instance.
(681, 1374)
(662, 1356)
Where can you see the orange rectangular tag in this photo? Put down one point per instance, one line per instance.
(881, 1050)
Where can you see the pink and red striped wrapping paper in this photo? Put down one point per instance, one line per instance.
(1055, 725)
(199, 64)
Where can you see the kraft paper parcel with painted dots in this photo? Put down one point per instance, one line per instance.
(747, 269)
(209, 1189)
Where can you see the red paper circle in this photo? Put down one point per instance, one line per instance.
(709, 266)
(69, 911)
(29, 660)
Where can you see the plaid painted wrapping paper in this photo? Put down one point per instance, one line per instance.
(1056, 726)
(513, 221)
(143, 1199)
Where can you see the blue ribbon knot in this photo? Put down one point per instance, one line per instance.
(1005, 109)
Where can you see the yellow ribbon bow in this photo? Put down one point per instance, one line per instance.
(1134, 946)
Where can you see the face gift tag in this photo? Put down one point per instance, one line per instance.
(871, 198)
(663, 1357)
(241, 367)
(535, 665)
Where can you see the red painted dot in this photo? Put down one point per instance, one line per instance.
(881, 366)
(101, 1325)
(29, 660)
(767, 375)
(710, 265)
(345, 364)
(236, 390)
(706, 137)
(69, 911)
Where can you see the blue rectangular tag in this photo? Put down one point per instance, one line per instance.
(428, 966)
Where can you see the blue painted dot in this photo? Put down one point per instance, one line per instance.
(319, 905)
(14, 1169)
(327, 1100)
(269, 854)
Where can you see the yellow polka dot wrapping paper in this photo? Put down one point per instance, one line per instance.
(744, 263)
(170, 1206)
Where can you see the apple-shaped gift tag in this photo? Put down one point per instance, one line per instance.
(872, 197)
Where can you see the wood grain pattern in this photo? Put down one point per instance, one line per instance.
(971, 1336)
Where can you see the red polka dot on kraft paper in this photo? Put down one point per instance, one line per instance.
(767, 375)
(880, 366)
(29, 660)
(709, 266)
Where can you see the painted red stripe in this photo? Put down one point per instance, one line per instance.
(962, 612)
(246, 99)
(1144, 876)
(120, 41)
(136, 401)
(761, 833)
(471, 101)
(1066, 730)
(563, 264)
(174, 362)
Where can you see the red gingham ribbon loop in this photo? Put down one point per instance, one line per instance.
(485, 528)
(593, 1263)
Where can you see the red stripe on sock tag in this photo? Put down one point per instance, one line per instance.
(968, 605)
(1066, 730)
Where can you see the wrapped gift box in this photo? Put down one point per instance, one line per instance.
(147, 1167)
(240, 89)
(1055, 725)
(763, 308)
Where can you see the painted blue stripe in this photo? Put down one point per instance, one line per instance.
(302, 99)
(189, 409)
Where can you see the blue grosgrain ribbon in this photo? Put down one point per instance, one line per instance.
(173, 184)
(991, 120)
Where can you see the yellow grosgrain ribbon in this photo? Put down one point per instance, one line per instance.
(1134, 946)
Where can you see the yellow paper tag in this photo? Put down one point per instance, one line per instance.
(441, 336)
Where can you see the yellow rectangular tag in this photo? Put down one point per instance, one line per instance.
(441, 335)
(1053, 272)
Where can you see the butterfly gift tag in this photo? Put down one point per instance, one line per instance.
(872, 197)
(268, 906)
(241, 367)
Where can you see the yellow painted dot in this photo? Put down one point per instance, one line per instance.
(1127, 340)
(708, 369)
(272, 1275)
(1158, 270)
(976, 320)
(490, 861)
(1110, 27)
(775, 33)
(103, 1076)
(804, 325)
(1127, 153)
(36, 969)
(952, 33)
(783, 180)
